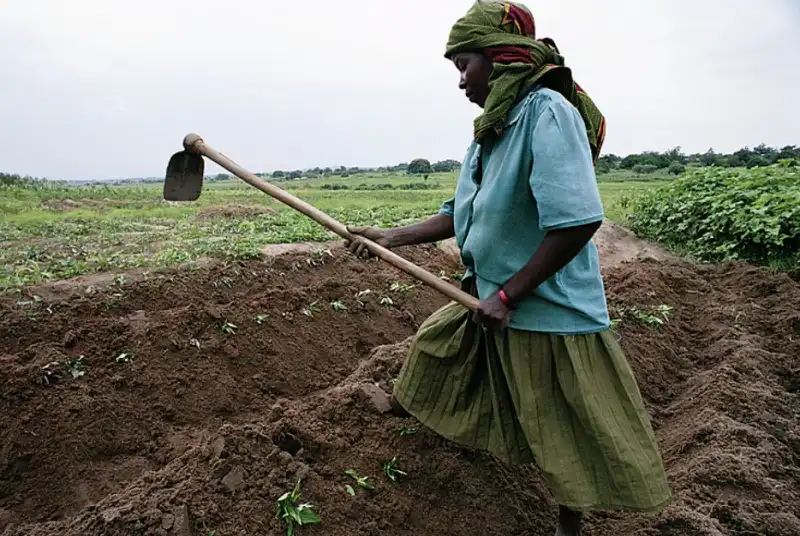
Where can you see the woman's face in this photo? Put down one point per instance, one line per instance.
(475, 69)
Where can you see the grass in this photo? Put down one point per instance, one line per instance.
(56, 233)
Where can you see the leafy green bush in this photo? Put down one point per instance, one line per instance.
(676, 168)
(644, 169)
(722, 214)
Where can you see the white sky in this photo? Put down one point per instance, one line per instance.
(93, 89)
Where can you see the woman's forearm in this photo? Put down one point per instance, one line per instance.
(557, 249)
(435, 228)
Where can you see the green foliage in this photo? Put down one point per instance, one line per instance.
(760, 155)
(293, 514)
(676, 168)
(727, 214)
(51, 231)
(419, 166)
(644, 169)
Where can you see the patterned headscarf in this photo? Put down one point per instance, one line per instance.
(506, 33)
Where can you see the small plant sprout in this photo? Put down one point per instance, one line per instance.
(124, 358)
(386, 301)
(361, 297)
(293, 514)
(261, 318)
(400, 287)
(654, 317)
(318, 257)
(443, 276)
(664, 310)
(76, 367)
(311, 309)
(361, 481)
(195, 343)
(391, 471)
(407, 431)
(229, 328)
(338, 306)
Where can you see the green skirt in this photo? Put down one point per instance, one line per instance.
(568, 403)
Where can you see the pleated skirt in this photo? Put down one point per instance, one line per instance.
(569, 404)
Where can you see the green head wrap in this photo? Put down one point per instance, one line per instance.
(506, 33)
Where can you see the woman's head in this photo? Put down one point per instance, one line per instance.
(491, 32)
(475, 68)
(495, 49)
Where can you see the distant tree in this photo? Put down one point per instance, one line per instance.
(297, 174)
(444, 166)
(676, 168)
(419, 166)
(278, 174)
(644, 169)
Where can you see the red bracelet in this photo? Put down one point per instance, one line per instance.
(504, 298)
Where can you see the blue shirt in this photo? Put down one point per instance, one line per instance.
(538, 176)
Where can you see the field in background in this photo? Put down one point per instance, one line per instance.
(55, 233)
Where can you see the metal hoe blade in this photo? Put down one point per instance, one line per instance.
(184, 180)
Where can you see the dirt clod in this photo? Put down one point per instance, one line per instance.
(234, 479)
(375, 398)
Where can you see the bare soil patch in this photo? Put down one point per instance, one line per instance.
(206, 394)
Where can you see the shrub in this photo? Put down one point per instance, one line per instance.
(676, 168)
(727, 214)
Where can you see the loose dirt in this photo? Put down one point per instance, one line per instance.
(204, 395)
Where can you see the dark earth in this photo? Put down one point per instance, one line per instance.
(177, 423)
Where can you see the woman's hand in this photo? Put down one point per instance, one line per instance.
(493, 312)
(382, 237)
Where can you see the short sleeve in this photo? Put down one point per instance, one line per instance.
(563, 179)
(447, 207)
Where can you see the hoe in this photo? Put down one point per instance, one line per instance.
(184, 182)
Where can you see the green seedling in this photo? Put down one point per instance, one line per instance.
(407, 432)
(655, 317)
(261, 318)
(311, 309)
(400, 287)
(293, 514)
(229, 328)
(361, 297)
(391, 471)
(386, 301)
(361, 481)
(318, 257)
(76, 367)
(338, 306)
(350, 490)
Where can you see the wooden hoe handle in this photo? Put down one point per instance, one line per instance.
(194, 143)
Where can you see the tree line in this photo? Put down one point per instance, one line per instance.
(674, 161)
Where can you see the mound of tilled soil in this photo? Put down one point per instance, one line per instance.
(203, 396)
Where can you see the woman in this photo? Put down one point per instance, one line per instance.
(535, 375)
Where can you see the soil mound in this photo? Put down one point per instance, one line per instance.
(203, 396)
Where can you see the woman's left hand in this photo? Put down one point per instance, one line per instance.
(493, 312)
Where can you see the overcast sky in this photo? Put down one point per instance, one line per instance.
(93, 89)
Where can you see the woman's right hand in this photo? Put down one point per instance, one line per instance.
(382, 237)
